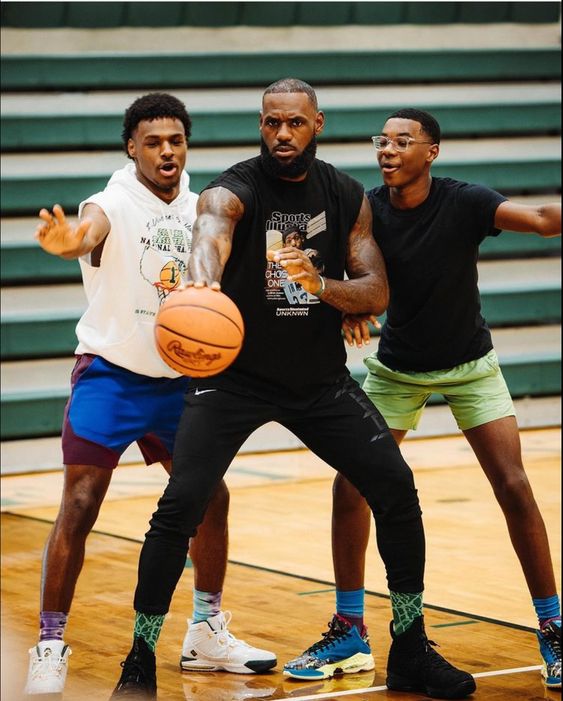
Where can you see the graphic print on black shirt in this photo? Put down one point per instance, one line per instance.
(284, 230)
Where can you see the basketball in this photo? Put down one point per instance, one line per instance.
(170, 275)
(198, 331)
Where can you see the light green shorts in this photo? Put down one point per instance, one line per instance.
(476, 392)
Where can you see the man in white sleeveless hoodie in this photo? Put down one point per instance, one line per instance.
(133, 241)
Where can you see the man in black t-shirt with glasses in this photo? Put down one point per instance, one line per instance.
(435, 340)
(241, 219)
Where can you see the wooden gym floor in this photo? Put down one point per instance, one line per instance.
(279, 582)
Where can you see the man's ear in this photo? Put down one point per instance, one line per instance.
(131, 148)
(319, 123)
(433, 153)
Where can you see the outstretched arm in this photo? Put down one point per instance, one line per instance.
(542, 219)
(58, 236)
(365, 292)
(218, 211)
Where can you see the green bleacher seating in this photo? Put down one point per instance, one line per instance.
(28, 132)
(96, 15)
(107, 71)
(26, 195)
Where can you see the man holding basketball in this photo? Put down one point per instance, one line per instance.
(133, 242)
(287, 304)
(435, 340)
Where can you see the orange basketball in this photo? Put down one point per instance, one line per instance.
(198, 331)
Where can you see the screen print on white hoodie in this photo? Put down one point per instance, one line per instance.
(144, 258)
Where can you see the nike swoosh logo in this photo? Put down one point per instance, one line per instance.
(203, 391)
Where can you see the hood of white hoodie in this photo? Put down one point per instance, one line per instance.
(126, 177)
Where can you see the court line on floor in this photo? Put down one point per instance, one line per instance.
(372, 689)
(270, 570)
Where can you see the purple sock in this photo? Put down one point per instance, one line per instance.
(52, 625)
(357, 621)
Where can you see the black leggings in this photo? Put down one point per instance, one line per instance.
(342, 427)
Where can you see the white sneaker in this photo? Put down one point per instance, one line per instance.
(48, 665)
(209, 647)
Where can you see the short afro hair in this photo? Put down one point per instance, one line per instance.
(156, 105)
(428, 123)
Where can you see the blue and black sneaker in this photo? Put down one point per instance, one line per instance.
(342, 650)
(549, 637)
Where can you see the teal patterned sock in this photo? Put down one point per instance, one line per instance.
(148, 627)
(406, 607)
(206, 605)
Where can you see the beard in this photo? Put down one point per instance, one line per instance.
(298, 166)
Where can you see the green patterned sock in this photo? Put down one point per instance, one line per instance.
(148, 627)
(406, 607)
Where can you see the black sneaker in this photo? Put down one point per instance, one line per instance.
(138, 679)
(414, 665)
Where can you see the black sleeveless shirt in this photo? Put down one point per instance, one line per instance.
(293, 346)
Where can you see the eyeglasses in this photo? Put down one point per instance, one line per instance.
(400, 143)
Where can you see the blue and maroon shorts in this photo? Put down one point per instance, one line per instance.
(110, 407)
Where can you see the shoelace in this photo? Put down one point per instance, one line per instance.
(225, 637)
(47, 662)
(552, 638)
(435, 660)
(335, 631)
(132, 672)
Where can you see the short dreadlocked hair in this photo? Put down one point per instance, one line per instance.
(428, 123)
(156, 105)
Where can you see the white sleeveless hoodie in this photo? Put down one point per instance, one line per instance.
(144, 257)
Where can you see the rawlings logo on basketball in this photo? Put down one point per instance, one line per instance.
(198, 331)
(199, 357)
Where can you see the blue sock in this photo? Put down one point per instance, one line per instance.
(547, 608)
(206, 605)
(350, 606)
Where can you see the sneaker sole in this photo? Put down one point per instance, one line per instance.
(357, 663)
(51, 692)
(250, 667)
(460, 691)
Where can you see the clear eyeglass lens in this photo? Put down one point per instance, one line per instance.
(401, 143)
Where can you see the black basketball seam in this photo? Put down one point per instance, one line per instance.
(209, 309)
(196, 340)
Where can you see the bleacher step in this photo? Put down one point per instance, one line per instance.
(40, 321)
(44, 454)
(41, 121)
(34, 392)
(23, 262)
(512, 164)
(385, 31)
(382, 65)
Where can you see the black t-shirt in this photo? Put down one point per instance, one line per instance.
(434, 317)
(293, 345)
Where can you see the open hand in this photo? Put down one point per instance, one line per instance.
(56, 235)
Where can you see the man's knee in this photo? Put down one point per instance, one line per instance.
(346, 498)
(218, 508)
(513, 491)
(78, 513)
(221, 498)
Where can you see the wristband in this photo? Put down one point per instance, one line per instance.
(320, 291)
